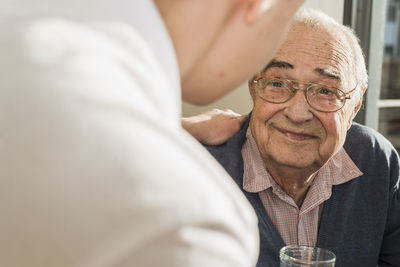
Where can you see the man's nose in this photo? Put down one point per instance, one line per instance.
(297, 109)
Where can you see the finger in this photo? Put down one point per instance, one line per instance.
(231, 113)
(242, 118)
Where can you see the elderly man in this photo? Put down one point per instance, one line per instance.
(313, 177)
(96, 170)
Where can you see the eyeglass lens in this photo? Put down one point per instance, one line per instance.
(318, 97)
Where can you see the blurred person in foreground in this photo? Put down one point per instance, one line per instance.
(96, 170)
(313, 176)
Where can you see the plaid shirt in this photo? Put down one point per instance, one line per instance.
(295, 225)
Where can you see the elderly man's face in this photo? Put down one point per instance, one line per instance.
(293, 134)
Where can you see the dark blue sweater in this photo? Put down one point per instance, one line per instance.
(360, 222)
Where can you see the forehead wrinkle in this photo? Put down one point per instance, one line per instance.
(329, 56)
(339, 55)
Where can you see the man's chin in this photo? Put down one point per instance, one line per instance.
(296, 162)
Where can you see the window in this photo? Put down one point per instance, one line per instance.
(391, 13)
(377, 23)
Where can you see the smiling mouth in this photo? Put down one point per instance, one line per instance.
(297, 136)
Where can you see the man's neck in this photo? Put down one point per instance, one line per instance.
(293, 181)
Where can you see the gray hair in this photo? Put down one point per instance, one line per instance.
(317, 20)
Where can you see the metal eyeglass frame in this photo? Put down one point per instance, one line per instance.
(345, 95)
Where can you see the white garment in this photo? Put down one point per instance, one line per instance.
(95, 170)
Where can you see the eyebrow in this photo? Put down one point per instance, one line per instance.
(328, 74)
(278, 64)
(286, 65)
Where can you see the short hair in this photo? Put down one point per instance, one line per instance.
(315, 19)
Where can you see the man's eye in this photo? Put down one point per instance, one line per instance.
(277, 84)
(325, 91)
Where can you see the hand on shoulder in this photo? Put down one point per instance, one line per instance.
(214, 127)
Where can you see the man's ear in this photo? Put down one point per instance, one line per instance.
(357, 107)
(251, 88)
(360, 102)
(253, 10)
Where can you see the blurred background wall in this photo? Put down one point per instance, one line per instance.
(239, 100)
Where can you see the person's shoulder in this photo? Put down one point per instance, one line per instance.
(366, 144)
(231, 148)
(361, 135)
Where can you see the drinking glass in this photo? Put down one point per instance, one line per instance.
(302, 256)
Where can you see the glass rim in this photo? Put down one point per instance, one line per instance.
(308, 84)
(284, 256)
(335, 108)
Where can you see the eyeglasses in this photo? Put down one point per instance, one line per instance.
(319, 97)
